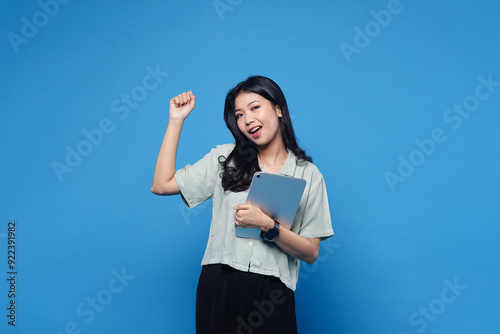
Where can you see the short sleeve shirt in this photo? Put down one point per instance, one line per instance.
(202, 181)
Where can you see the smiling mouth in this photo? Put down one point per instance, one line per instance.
(256, 131)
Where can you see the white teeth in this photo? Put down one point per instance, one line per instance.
(255, 129)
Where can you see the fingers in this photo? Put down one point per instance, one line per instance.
(180, 100)
(242, 216)
(183, 99)
(242, 207)
(237, 219)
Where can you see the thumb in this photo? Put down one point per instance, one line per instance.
(191, 95)
(240, 207)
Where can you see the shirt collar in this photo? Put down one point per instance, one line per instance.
(289, 166)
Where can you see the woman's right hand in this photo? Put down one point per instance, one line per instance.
(182, 105)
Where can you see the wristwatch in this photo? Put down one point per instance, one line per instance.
(272, 232)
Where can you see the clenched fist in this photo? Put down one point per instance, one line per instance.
(182, 105)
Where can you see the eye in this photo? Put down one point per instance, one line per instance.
(255, 107)
(239, 115)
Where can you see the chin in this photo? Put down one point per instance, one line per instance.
(259, 142)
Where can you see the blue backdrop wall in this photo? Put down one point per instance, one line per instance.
(396, 100)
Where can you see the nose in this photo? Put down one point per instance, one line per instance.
(249, 119)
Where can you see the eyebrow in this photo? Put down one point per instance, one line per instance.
(248, 104)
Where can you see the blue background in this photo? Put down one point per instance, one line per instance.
(397, 245)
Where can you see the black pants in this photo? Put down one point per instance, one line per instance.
(229, 301)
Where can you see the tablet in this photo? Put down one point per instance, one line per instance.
(277, 195)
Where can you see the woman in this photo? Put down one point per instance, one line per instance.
(247, 285)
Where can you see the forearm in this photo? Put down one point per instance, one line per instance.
(165, 163)
(250, 216)
(298, 246)
(293, 244)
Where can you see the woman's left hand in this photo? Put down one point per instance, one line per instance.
(250, 216)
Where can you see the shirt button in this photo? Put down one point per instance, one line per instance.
(250, 243)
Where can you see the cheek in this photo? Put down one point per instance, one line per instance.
(276, 123)
(241, 124)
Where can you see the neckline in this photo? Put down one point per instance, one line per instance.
(288, 167)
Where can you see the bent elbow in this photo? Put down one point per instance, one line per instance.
(313, 251)
(165, 189)
(312, 259)
(155, 190)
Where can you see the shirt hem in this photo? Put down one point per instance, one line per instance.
(245, 267)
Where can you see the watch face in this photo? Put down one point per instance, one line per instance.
(272, 233)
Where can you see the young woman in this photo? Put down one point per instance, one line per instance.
(247, 285)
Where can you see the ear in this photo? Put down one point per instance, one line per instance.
(278, 111)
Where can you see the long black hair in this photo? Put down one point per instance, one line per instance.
(240, 165)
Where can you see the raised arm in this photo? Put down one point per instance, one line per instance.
(163, 180)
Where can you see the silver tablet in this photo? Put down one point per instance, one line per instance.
(277, 195)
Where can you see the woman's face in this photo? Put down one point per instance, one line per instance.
(257, 119)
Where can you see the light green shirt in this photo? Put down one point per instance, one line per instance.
(202, 181)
